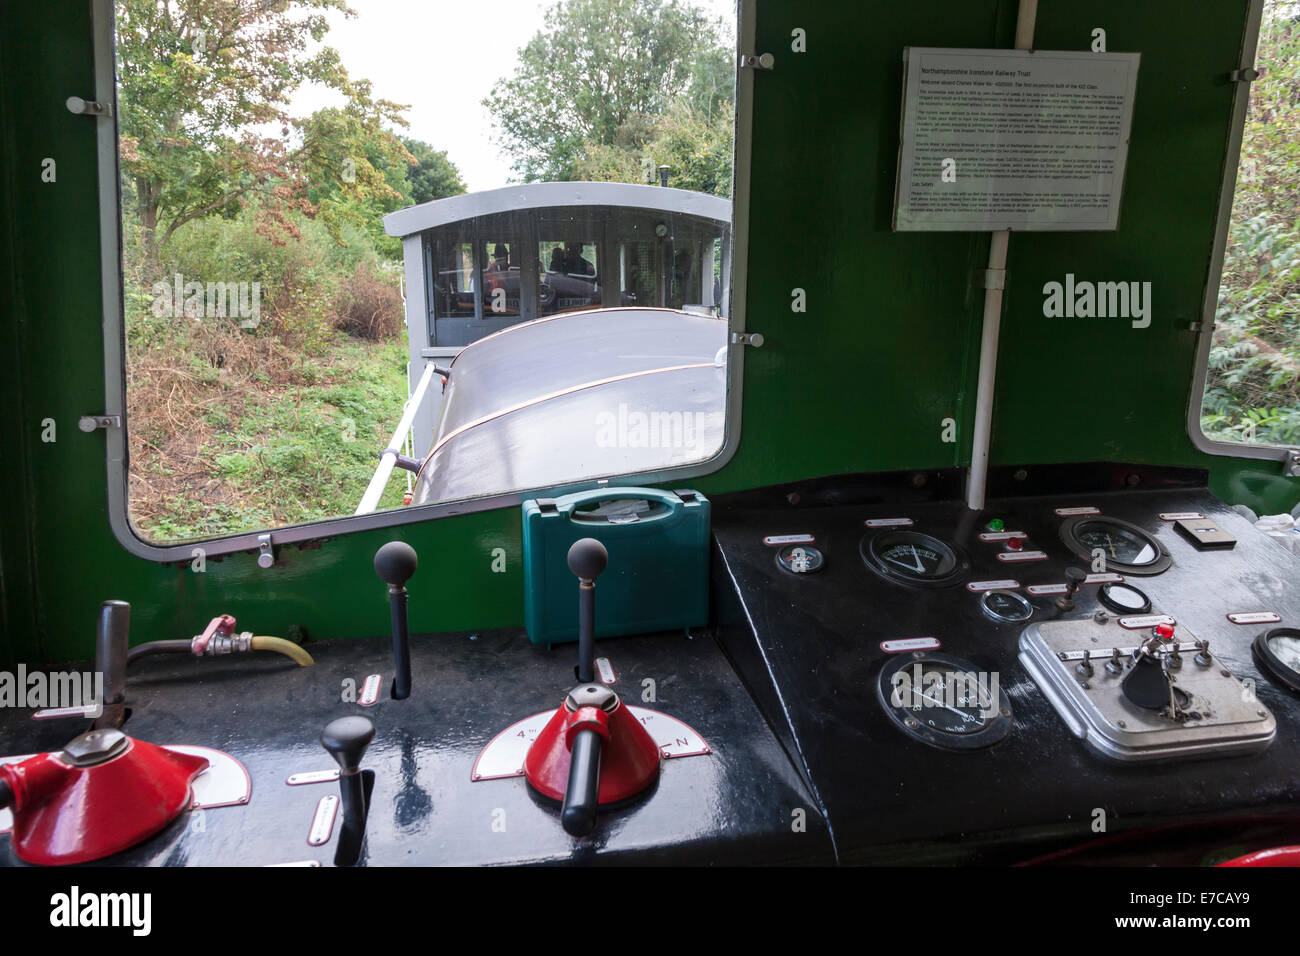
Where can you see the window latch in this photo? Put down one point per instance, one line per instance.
(752, 339)
(762, 61)
(89, 423)
(82, 107)
(1291, 465)
(1248, 75)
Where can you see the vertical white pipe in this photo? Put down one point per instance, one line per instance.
(992, 324)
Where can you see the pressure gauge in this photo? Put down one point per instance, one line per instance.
(913, 558)
(1121, 546)
(1007, 607)
(944, 701)
(800, 559)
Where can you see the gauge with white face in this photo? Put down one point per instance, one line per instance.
(910, 557)
(1007, 607)
(1279, 651)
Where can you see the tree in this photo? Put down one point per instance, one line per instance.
(594, 80)
(433, 175)
(203, 93)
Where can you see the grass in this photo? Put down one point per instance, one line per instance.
(261, 437)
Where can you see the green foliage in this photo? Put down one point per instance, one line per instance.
(205, 129)
(1253, 388)
(611, 89)
(433, 175)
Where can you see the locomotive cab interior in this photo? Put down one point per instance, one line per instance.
(956, 575)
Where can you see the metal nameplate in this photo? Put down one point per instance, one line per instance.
(322, 824)
(1011, 556)
(312, 776)
(1255, 617)
(1006, 584)
(789, 539)
(370, 690)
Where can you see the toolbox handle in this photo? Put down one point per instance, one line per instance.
(672, 503)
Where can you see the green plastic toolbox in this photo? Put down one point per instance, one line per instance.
(658, 573)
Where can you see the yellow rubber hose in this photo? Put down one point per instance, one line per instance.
(281, 646)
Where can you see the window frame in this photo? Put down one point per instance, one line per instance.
(114, 338)
(1286, 455)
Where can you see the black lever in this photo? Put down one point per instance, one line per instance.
(111, 640)
(395, 562)
(346, 739)
(587, 559)
(581, 793)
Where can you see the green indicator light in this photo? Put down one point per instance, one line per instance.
(996, 524)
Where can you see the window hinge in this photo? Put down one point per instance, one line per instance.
(752, 339)
(1247, 75)
(265, 556)
(1291, 465)
(88, 423)
(763, 61)
(82, 107)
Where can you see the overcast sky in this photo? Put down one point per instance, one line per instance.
(442, 59)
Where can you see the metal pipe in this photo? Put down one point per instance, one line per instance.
(110, 648)
(586, 631)
(374, 490)
(982, 435)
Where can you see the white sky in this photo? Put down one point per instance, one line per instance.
(443, 59)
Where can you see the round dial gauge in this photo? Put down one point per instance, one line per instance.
(800, 558)
(1006, 606)
(1120, 546)
(913, 558)
(1279, 650)
(1124, 599)
(944, 701)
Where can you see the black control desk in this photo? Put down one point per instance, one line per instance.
(823, 593)
(733, 806)
(810, 647)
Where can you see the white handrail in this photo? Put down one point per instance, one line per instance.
(370, 500)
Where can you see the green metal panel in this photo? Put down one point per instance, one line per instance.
(860, 381)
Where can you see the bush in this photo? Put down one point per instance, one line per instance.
(369, 306)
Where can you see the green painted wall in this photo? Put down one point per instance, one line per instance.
(860, 381)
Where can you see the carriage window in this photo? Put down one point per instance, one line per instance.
(349, 233)
(1252, 387)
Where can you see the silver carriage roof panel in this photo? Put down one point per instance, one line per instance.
(578, 396)
(558, 353)
(511, 199)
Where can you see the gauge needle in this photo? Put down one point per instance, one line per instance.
(917, 558)
(938, 703)
(918, 566)
(1112, 547)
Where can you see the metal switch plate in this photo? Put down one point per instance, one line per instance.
(1222, 716)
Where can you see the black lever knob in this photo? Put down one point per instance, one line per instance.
(1074, 578)
(346, 739)
(587, 559)
(395, 562)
